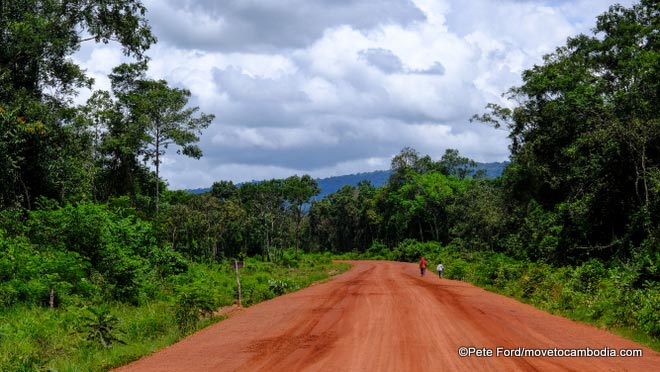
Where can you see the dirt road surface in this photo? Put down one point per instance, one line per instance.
(382, 316)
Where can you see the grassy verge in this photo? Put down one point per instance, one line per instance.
(97, 337)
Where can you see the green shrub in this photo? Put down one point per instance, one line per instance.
(28, 273)
(287, 258)
(533, 281)
(507, 272)
(408, 250)
(458, 269)
(167, 261)
(254, 291)
(101, 327)
(648, 310)
(85, 239)
(281, 286)
(323, 259)
(378, 250)
(151, 321)
(587, 276)
(194, 302)
(411, 250)
(200, 292)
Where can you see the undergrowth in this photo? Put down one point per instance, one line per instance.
(84, 336)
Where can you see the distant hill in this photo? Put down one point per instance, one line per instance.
(377, 178)
(333, 184)
(380, 178)
(198, 191)
(493, 170)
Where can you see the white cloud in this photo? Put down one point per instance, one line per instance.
(246, 25)
(329, 87)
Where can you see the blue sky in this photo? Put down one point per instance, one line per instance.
(332, 87)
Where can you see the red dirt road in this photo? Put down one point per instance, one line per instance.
(381, 316)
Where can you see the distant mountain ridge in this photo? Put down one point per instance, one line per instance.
(333, 184)
(380, 178)
(377, 178)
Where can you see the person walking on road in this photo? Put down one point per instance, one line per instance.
(441, 267)
(422, 266)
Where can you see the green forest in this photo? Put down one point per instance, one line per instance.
(100, 262)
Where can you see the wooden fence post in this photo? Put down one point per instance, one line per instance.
(236, 265)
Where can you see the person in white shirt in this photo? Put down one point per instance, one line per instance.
(440, 269)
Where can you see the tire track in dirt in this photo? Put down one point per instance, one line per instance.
(381, 316)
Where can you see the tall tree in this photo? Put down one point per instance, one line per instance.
(298, 192)
(224, 190)
(160, 112)
(117, 141)
(336, 219)
(452, 163)
(38, 80)
(403, 162)
(265, 203)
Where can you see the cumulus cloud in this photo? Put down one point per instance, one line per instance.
(247, 25)
(332, 87)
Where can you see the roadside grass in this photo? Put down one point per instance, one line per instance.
(637, 336)
(70, 338)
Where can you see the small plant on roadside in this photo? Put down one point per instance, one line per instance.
(193, 304)
(101, 326)
(281, 286)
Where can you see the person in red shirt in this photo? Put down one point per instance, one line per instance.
(422, 266)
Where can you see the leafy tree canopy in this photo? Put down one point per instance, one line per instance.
(38, 36)
(585, 132)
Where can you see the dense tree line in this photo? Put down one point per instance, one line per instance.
(259, 218)
(421, 201)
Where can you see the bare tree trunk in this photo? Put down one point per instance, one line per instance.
(297, 231)
(436, 229)
(270, 239)
(267, 244)
(27, 194)
(644, 174)
(157, 168)
(238, 283)
(637, 178)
